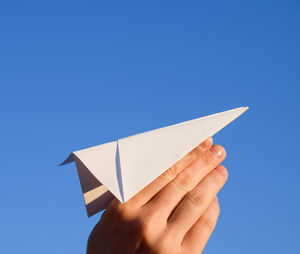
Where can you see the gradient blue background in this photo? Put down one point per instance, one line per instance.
(74, 74)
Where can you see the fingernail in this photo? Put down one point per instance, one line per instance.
(217, 151)
(222, 170)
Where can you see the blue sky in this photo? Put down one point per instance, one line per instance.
(74, 74)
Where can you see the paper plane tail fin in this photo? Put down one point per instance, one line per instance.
(98, 170)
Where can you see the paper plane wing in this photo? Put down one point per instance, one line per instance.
(127, 165)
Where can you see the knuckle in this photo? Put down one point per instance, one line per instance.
(208, 159)
(171, 172)
(217, 205)
(185, 181)
(197, 200)
(207, 223)
(149, 222)
(194, 153)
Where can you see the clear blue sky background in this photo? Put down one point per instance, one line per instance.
(74, 74)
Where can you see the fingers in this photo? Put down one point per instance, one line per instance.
(197, 237)
(169, 197)
(197, 201)
(154, 187)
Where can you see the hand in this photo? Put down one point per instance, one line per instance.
(176, 213)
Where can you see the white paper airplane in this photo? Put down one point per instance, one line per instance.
(122, 168)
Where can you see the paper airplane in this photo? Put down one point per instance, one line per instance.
(122, 168)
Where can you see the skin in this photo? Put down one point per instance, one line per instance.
(176, 213)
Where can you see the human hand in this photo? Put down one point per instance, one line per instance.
(176, 213)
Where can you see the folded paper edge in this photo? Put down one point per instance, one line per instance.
(119, 173)
(69, 159)
(93, 204)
